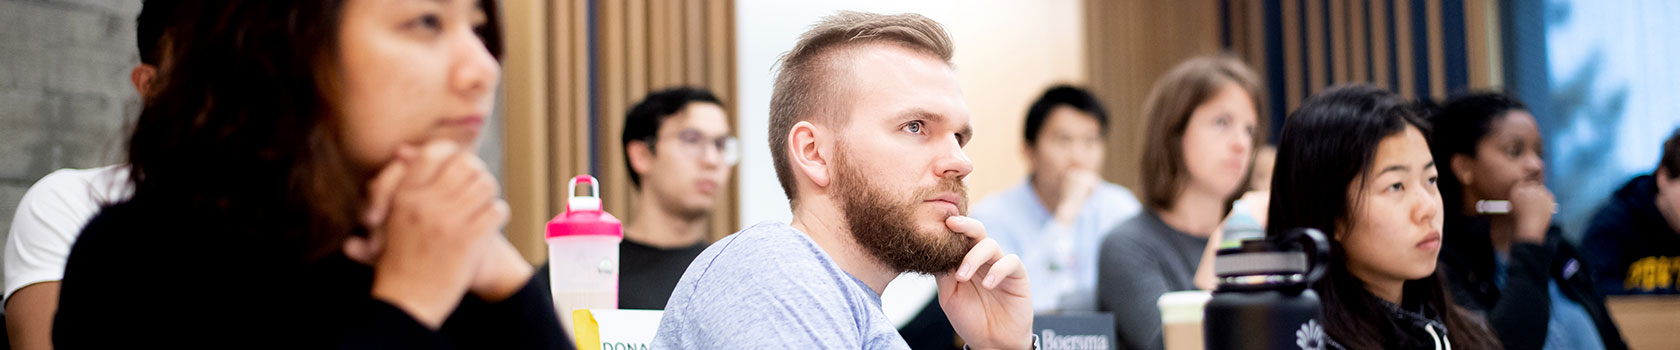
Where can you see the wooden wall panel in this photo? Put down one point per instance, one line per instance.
(1316, 44)
(1317, 53)
(524, 85)
(574, 67)
(1131, 44)
(1381, 43)
(1339, 41)
(1437, 56)
(1359, 41)
(1481, 28)
(1407, 86)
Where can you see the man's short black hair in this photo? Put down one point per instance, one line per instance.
(153, 22)
(645, 118)
(1062, 95)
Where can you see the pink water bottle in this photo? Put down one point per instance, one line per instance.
(583, 253)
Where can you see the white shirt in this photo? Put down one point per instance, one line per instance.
(51, 215)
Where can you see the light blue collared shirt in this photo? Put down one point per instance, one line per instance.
(1061, 260)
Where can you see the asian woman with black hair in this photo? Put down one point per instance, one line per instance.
(1354, 162)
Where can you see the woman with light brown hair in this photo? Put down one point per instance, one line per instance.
(1203, 126)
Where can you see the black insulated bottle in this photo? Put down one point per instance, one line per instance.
(1264, 300)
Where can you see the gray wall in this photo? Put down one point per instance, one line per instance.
(65, 96)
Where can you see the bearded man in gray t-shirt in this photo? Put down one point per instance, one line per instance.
(867, 127)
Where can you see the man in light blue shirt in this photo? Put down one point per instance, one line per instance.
(1057, 217)
(867, 126)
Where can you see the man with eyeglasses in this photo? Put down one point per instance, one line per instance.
(678, 147)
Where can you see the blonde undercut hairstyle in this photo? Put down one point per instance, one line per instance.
(809, 84)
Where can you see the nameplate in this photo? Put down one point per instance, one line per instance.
(1082, 331)
(608, 329)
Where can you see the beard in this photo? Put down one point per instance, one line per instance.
(885, 225)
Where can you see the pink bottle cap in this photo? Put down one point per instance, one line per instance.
(583, 216)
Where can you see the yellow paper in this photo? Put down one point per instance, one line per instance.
(588, 335)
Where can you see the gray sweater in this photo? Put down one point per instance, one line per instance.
(1140, 260)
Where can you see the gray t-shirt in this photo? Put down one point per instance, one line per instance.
(1140, 260)
(771, 287)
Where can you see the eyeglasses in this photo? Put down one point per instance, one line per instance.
(693, 144)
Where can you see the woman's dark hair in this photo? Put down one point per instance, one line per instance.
(1324, 146)
(1670, 161)
(1062, 95)
(1460, 124)
(247, 131)
(151, 27)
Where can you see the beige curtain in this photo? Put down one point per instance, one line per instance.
(561, 121)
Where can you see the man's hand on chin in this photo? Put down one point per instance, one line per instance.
(987, 298)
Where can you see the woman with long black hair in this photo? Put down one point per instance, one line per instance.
(304, 178)
(1354, 162)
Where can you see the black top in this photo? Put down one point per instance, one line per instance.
(1416, 325)
(1519, 312)
(650, 273)
(148, 277)
(1631, 247)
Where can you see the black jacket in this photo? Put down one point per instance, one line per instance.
(1629, 231)
(157, 276)
(1357, 320)
(1521, 311)
(1415, 326)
